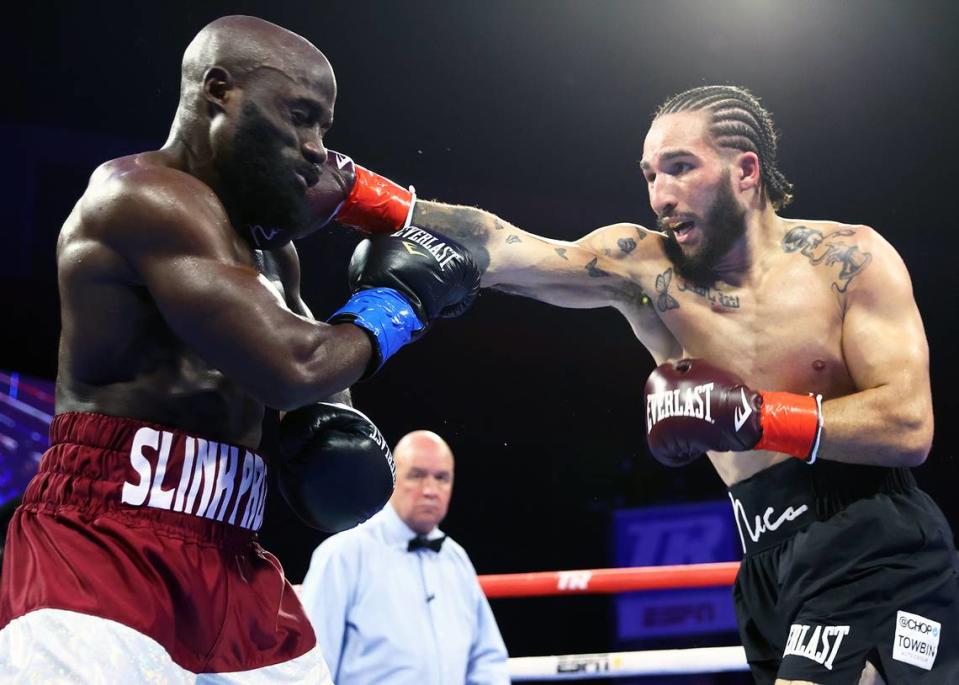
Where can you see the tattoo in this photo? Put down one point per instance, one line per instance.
(626, 245)
(594, 271)
(561, 251)
(711, 294)
(498, 225)
(641, 234)
(466, 225)
(607, 252)
(513, 239)
(812, 244)
(665, 301)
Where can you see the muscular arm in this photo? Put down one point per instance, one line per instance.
(889, 422)
(590, 272)
(183, 252)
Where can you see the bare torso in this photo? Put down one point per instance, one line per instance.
(117, 354)
(779, 329)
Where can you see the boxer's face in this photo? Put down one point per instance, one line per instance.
(424, 483)
(691, 191)
(276, 145)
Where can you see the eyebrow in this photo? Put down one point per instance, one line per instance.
(665, 157)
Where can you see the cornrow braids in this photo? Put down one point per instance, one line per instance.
(739, 122)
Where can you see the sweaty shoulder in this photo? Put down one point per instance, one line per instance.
(135, 202)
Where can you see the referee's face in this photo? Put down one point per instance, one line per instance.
(424, 481)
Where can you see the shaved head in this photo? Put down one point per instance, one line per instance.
(421, 440)
(241, 45)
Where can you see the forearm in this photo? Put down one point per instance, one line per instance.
(884, 426)
(471, 227)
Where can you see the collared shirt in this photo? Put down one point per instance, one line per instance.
(386, 615)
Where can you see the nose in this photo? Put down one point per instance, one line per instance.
(314, 150)
(430, 487)
(661, 196)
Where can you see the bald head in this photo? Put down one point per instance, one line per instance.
(241, 45)
(424, 480)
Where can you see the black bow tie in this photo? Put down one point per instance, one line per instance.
(420, 542)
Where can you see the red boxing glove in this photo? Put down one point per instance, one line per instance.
(357, 197)
(693, 407)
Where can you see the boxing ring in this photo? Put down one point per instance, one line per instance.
(607, 581)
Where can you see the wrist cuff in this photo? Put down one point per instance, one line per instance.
(376, 204)
(792, 424)
(386, 315)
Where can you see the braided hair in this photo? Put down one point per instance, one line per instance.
(739, 122)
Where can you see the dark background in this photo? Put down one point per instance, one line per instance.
(536, 111)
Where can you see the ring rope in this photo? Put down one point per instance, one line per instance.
(608, 580)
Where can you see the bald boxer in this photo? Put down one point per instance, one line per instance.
(792, 353)
(134, 557)
(395, 600)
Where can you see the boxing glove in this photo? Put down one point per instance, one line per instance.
(336, 469)
(693, 407)
(402, 283)
(354, 196)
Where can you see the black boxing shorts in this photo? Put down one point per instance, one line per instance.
(845, 564)
(146, 528)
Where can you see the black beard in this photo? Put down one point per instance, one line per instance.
(725, 223)
(263, 197)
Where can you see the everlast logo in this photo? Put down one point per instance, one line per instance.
(208, 479)
(819, 644)
(443, 253)
(693, 402)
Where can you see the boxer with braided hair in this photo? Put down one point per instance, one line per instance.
(847, 561)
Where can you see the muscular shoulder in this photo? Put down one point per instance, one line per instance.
(622, 241)
(131, 201)
(855, 257)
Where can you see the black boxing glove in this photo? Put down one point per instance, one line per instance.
(402, 283)
(358, 197)
(693, 407)
(336, 470)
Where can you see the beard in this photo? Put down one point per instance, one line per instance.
(263, 194)
(725, 223)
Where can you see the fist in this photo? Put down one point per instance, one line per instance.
(337, 178)
(336, 469)
(693, 407)
(437, 275)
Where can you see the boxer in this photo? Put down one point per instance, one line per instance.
(792, 353)
(133, 557)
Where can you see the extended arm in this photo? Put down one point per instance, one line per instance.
(590, 272)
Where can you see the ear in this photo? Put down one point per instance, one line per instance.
(218, 85)
(748, 173)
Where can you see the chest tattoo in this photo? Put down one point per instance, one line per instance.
(665, 301)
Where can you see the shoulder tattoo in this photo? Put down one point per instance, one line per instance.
(829, 249)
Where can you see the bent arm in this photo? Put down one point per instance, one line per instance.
(889, 422)
(226, 310)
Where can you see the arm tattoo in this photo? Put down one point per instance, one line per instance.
(594, 271)
(561, 251)
(513, 239)
(813, 245)
(467, 225)
(626, 245)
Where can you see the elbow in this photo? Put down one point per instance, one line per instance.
(916, 439)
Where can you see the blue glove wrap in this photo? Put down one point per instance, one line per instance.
(386, 314)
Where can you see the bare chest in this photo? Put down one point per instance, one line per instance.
(783, 331)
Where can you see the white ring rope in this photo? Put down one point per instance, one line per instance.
(624, 664)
